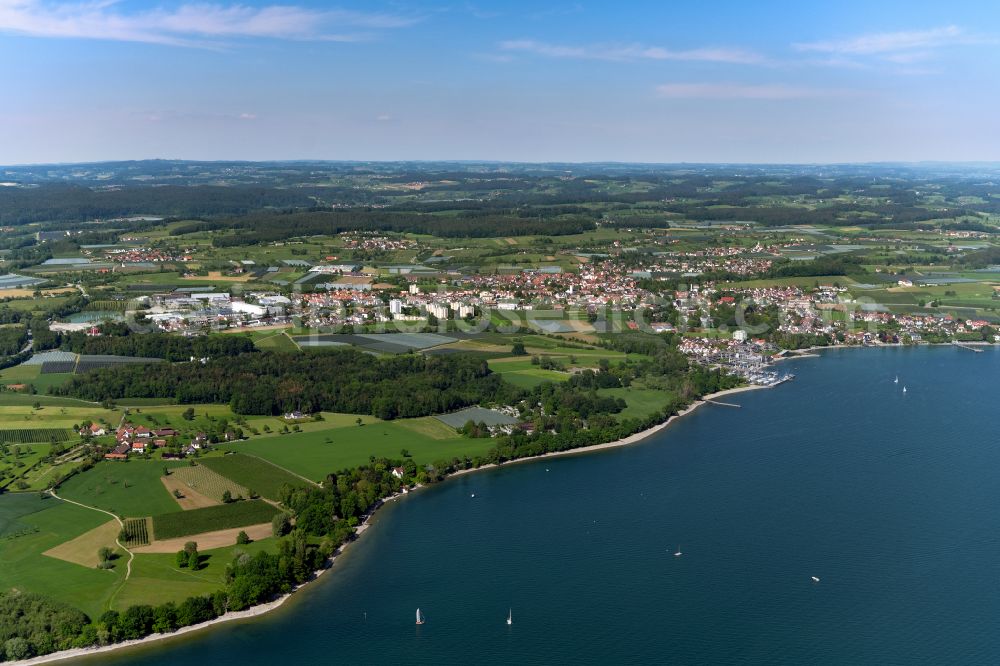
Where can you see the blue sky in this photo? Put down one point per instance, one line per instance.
(705, 81)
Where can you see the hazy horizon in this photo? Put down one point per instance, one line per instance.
(722, 83)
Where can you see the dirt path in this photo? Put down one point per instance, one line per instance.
(121, 525)
(208, 540)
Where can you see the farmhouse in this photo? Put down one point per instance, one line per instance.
(398, 472)
(120, 452)
(95, 430)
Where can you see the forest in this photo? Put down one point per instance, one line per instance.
(119, 339)
(339, 381)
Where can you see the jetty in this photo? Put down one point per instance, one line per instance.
(722, 404)
(968, 346)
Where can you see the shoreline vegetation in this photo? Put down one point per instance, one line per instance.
(262, 609)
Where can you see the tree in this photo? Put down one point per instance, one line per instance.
(517, 349)
(188, 414)
(165, 618)
(242, 538)
(181, 559)
(104, 554)
(227, 497)
(17, 648)
(194, 561)
(281, 524)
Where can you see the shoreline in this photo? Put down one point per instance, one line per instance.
(263, 609)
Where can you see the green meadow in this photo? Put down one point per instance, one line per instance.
(127, 489)
(316, 454)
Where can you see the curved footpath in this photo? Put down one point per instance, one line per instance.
(261, 609)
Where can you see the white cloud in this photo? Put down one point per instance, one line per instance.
(188, 24)
(771, 91)
(632, 52)
(902, 47)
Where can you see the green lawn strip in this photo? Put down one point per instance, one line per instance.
(211, 518)
(259, 475)
(131, 488)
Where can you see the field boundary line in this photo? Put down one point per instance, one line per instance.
(309, 481)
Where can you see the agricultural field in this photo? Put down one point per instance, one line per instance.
(136, 532)
(127, 489)
(316, 454)
(83, 549)
(253, 473)
(204, 481)
(35, 435)
(208, 519)
(18, 417)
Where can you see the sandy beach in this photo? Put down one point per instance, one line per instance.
(263, 609)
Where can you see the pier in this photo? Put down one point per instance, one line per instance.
(722, 404)
(968, 346)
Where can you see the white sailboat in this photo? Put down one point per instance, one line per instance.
(420, 617)
(678, 553)
(896, 380)
(815, 579)
(510, 617)
(904, 389)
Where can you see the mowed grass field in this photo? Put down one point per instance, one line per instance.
(127, 489)
(316, 454)
(519, 371)
(156, 579)
(43, 526)
(641, 401)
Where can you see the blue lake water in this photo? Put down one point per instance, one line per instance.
(891, 499)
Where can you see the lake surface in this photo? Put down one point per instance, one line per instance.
(891, 499)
